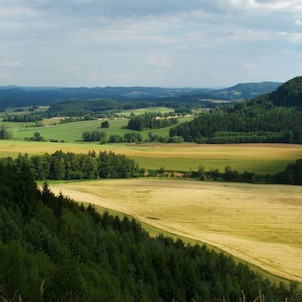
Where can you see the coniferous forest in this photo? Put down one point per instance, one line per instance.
(52, 249)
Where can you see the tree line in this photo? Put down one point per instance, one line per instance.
(129, 137)
(52, 249)
(64, 166)
(291, 175)
(150, 121)
(24, 118)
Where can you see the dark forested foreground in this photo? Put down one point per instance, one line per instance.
(52, 249)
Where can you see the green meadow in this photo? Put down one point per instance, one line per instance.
(145, 110)
(72, 132)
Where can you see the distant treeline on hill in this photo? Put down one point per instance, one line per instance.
(66, 166)
(278, 125)
(52, 249)
(274, 117)
(98, 107)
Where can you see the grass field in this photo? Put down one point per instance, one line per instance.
(143, 110)
(259, 158)
(72, 132)
(260, 224)
(23, 110)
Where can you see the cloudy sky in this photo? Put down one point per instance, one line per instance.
(168, 43)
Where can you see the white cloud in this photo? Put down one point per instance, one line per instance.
(250, 66)
(11, 64)
(293, 37)
(278, 5)
(160, 61)
(298, 22)
(6, 75)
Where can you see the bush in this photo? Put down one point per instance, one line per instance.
(105, 124)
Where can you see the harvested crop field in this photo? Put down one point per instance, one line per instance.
(260, 224)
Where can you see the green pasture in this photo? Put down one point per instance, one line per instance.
(145, 110)
(15, 126)
(23, 110)
(72, 132)
(259, 166)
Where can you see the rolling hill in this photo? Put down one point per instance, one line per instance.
(14, 96)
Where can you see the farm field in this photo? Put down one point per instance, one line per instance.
(143, 110)
(72, 132)
(260, 224)
(259, 158)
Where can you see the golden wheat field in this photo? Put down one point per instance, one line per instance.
(260, 224)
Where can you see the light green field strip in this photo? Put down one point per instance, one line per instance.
(260, 224)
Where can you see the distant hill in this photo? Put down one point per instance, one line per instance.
(14, 96)
(289, 93)
(246, 90)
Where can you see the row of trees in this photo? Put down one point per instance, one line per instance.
(291, 175)
(23, 118)
(52, 249)
(62, 165)
(230, 175)
(130, 137)
(150, 121)
(94, 136)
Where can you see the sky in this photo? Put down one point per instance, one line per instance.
(166, 43)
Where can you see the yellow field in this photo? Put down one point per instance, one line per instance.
(260, 224)
(259, 158)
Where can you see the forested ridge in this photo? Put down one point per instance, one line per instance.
(270, 118)
(127, 97)
(52, 249)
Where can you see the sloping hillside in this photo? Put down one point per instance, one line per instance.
(289, 93)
